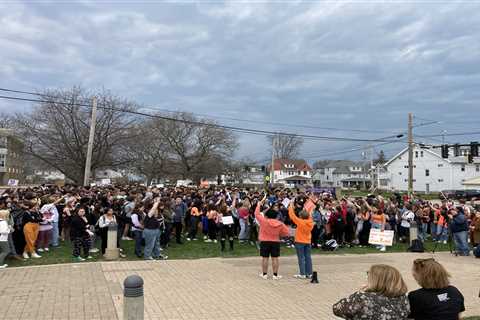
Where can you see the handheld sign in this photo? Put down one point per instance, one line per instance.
(227, 220)
(381, 238)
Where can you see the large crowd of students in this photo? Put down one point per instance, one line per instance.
(34, 220)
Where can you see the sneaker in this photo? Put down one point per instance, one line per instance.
(194, 239)
(36, 256)
(78, 259)
(383, 249)
(89, 257)
(188, 239)
(40, 250)
(204, 237)
(299, 276)
(277, 277)
(215, 241)
(208, 240)
(162, 257)
(127, 238)
(308, 276)
(263, 276)
(93, 250)
(25, 256)
(46, 249)
(4, 266)
(444, 242)
(149, 259)
(122, 255)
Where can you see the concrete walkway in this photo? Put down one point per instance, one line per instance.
(208, 288)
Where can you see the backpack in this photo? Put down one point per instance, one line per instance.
(417, 246)
(330, 245)
(476, 252)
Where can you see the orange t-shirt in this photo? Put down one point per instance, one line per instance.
(304, 227)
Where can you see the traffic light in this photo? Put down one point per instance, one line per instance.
(263, 168)
(456, 150)
(470, 158)
(474, 149)
(445, 151)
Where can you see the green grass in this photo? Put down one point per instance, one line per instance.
(197, 250)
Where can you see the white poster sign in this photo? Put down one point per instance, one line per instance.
(382, 238)
(105, 182)
(286, 202)
(12, 182)
(227, 220)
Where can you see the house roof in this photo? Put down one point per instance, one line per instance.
(340, 166)
(295, 178)
(300, 164)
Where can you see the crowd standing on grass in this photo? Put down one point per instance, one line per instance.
(33, 221)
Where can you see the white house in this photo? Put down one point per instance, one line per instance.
(431, 172)
(342, 173)
(291, 172)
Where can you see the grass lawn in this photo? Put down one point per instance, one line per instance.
(197, 250)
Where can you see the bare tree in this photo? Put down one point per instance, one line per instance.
(6, 121)
(149, 155)
(285, 146)
(57, 131)
(200, 150)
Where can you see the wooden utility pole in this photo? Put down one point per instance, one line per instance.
(88, 162)
(272, 173)
(410, 154)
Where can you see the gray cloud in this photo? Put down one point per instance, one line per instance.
(327, 64)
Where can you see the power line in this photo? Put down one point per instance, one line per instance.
(193, 122)
(221, 117)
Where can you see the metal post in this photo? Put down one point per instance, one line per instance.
(410, 154)
(112, 252)
(133, 306)
(88, 161)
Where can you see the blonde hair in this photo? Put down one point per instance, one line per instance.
(430, 274)
(386, 280)
(4, 214)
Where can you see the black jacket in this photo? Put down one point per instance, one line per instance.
(78, 228)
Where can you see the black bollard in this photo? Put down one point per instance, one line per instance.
(133, 308)
(314, 277)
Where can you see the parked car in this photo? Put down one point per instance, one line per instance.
(461, 194)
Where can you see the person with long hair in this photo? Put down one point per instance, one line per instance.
(436, 299)
(4, 232)
(31, 220)
(384, 297)
(303, 239)
(106, 220)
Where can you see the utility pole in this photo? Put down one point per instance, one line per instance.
(272, 174)
(372, 172)
(88, 162)
(410, 154)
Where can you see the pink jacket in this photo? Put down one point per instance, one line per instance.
(270, 229)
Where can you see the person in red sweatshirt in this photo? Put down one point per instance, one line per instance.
(271, 230)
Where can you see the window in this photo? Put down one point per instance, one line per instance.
(3, 142)
(427, 173)
(421, 154)
(416, 154)
(305, 173)
(477, 168)
(440, 180)
(406, 180)
(2, 161)
(399, 173)
(406, 167)
(462, 168)
(440, 165)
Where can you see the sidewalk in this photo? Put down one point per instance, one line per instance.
(208, 288)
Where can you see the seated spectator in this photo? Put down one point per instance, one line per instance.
(437, 299)
(384, 297)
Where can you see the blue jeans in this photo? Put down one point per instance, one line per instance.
(55, 235)
(304, 255)
(433, 230)
(152, 243)
(138, 236)
(461, 243)
(422, 231)
(442, 233)
(243, 236)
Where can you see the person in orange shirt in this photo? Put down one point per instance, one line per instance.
(194, 219)
(303, 240)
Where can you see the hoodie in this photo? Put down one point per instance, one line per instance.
(271, 230)
(304, 227)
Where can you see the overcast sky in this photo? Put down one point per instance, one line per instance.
(348, 66)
